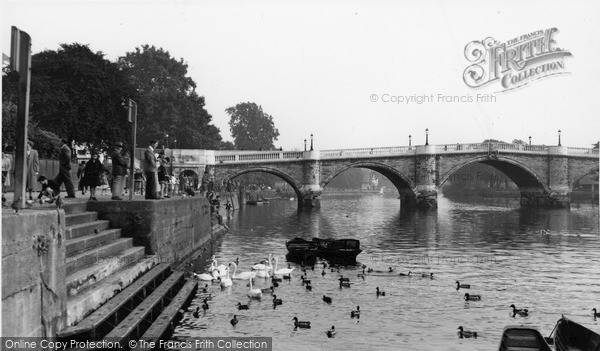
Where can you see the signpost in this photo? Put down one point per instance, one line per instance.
(132, 118)
(20, 60)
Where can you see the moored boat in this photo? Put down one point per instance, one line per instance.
(342, 249)
(520, 338)
(572, 336)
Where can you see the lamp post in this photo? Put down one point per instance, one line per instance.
(175, 143)
(530, 140)
(304, 144)
(409, 140)
(426, 136)
(559, 138)
(167, 136)
(311, 142)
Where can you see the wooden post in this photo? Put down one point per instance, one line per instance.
(20, 60)
(132, 114)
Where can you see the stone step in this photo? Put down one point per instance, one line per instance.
(163, 326)
(86, 242)
(72, 206)
(138, 321)
(80, 218)
(95, 264)
(82, 229)
(128, 285)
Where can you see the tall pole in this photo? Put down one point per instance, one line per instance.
(409, 140)
(530, 140)
(132, 116)
(559, 138)
(311, 142)
(20, 60)
(426, 136)
(304, 144)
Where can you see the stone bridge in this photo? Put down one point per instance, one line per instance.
(545, 175)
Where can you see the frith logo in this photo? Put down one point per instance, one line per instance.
(515, 63)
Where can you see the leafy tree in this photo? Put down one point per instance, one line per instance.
(519, 142)
(493, 141)
(227, 145)
(251, 128)
(167, 101)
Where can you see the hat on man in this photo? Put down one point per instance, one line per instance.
(118, 144)
(153, 141)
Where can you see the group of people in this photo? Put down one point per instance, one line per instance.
(160, 183)
(94, 174)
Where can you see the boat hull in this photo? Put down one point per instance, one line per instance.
(569, 336)
(522, 338)
(343, 249)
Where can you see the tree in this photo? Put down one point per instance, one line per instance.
(251, 128)
(167, 101)
(519, 142)
(227, 145)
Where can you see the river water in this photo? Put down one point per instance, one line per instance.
(492, 245)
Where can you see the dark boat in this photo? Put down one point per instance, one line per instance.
(520, 338)
(342, 249)
(570, 336)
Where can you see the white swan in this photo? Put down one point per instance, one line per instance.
(243, 275)
(261, 266)
(220, 268)
(254, 293)
(264, 273)
(225, 282)
(206, 276)
(282, 271)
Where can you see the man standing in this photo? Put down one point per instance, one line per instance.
(119, 170)
(33, 165)
(64, 170)
(151, 169)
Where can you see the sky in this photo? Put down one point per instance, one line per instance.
(342, 70)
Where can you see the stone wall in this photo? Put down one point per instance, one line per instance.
(34, 292)
(171, 229)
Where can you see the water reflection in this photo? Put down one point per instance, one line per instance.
(497, 247)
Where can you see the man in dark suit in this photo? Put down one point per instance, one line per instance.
(64, 170)
(33, 165)
(151, 169)
(119, 170)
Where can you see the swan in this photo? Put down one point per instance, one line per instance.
(262, 266)
(282, 271)
(225, 282)
(469, 297)
(220, 268)
(254, 293)
(206, 276)
(355, 313)
(466, 333)
(301, 324)
(263, 273)
(462, 286)
(243, 275)
(234, 320)
(331, 332)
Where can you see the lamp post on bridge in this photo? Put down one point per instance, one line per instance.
(409, 140)
(530, 140)
(311, 142)
(559, 138)
(426, 136)
(304, 144)
(167, 137)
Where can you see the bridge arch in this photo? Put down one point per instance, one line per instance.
(523, 176)
(402, 183)
(274, 171)
(579, 177)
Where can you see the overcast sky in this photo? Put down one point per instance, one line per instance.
(317, 66)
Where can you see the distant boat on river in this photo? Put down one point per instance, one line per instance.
(341, 249)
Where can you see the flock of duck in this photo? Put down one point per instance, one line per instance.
(220, 274)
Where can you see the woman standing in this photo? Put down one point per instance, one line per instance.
(92, 175)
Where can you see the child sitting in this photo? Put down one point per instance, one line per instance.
(50, 190)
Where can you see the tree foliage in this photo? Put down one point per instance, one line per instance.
(251, 128)
(167, 101)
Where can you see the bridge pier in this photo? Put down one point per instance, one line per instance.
(425, 171)
(310, 192)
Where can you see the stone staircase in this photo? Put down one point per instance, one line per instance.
(110, 282)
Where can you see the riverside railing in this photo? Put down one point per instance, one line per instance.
(233, 156)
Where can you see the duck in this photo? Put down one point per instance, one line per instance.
(254, 293)
(405, 275)
(226, 281)
(522, 312)
(274, 279)
(544, 231)
(331, 332)
(466, 333)
(596, 314)
(196, 313)
(268, 290)
(287, 277)
(304, 281)
(275, 283)
(234, 320)
(462, 286)
(469, 297)
(301, 324)
(208, 297)
(355, 313)
(345, 284)
(242, 275)
(308, 287)
(425, 275)
(205, 305)
(323, 273)
(277, 301)
(324, 264)
(380, 293)
(327, 299)
(282, 271)
(242, 307)
(342, 279)
(205, 288)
